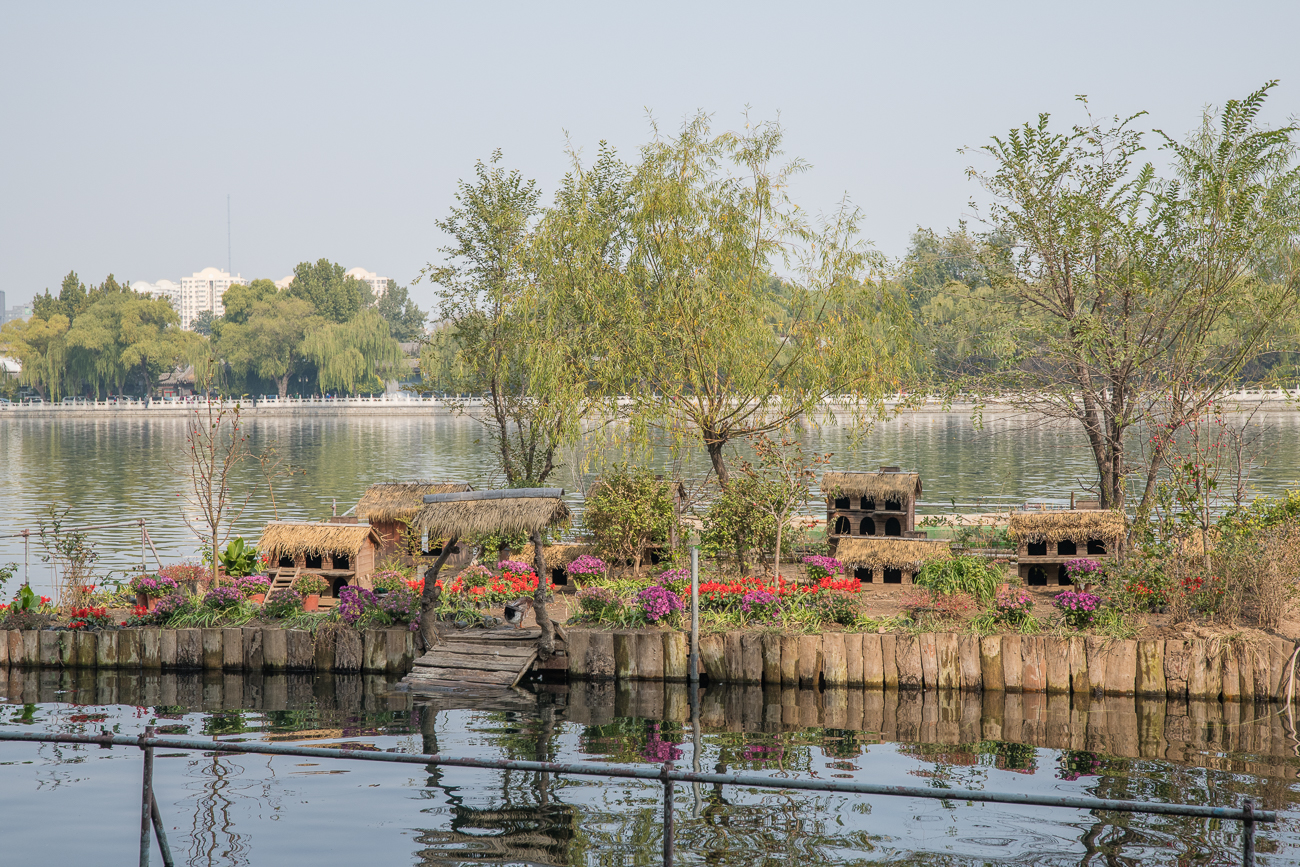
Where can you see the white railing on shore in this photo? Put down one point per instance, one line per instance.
(408, 399)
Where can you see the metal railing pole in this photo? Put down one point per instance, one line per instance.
(1248, 834)
(161, 834)
(695, 611)
(668, 815)
(146, 796)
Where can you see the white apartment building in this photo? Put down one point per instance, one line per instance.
(202, 291)
(378, 285)
(162, 289)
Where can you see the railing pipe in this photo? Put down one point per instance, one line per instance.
(657, 774)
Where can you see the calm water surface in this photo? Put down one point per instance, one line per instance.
(66, 804)
(122, 469)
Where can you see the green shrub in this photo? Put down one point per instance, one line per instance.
(736, 524)
(282, 603)
(967, 574)
(626, 511)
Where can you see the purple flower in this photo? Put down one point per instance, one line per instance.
(222, 597)
(760, 603)
(657, 601)
(251, 585)
(675, 576)
(586, 565)
(353, 602)
(1081, 567)
(516, 566)
(820, 566)
(1077, 608)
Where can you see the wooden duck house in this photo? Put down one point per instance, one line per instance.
(876, 505)
(1049, 539)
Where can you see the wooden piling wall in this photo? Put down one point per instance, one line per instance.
(250, 649)
(1032, 665)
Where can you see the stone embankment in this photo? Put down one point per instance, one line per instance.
(1194, 669)
(248, 649)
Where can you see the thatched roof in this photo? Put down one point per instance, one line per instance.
(398, 501)
(878, 486)
(872, 552)
(561, 555)
(290, 538)
(1076, 524)
(465, 519)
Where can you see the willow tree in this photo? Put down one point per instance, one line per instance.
(516, 297)
(1122, 291)
(351, 356)
(40, 346)
(735, 313)
(268, 338)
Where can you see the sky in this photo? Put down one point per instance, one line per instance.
(340, 130)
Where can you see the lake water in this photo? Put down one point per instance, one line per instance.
(66, 804)
(108, 469)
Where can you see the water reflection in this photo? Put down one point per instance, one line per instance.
(251, 809)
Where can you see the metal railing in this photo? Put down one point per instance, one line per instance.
(666, 775)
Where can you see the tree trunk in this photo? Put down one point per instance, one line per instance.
(776, 558)
(714, 448)
(545, 647)
(429, 598)
(282, 386)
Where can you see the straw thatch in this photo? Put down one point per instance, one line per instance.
(876, 486)
(291, 538)
(1078, 525)
(466, 519)
(399, 501)
(561, 555)
(909, 555)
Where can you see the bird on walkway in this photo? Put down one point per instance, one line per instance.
(516, 610)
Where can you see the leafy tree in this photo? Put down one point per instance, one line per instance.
(700, 337)
(70, 301)
(205, 323)
(627, 510)
(782, 479)
(268, 338)
(737, 522)
(405, 320)
(240, 298)
(335, 295)
(1126, 290)
(152, 340)
(351, 356)
(40, 345)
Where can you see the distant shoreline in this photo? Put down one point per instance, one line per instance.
(410, 407)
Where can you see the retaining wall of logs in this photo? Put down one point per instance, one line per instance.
(1195, 669)
(249, 649)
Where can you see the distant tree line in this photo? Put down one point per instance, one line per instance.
(325, 331)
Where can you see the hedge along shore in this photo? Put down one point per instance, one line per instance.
(248, 649)
(1195, 669)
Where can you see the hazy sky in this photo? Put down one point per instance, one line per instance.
(340, 130)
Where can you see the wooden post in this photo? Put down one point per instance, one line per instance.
(834, 665)
(991, 663)
(676, 655)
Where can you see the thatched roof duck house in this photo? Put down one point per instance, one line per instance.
(475, 513)
(559, 556)
(889, 561)
(344, 553)
(467, 514)
(391, 507)
(880, 504)
(1047, 540)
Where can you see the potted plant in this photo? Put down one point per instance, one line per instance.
(254, 588)
(149, 589)
(310, 586)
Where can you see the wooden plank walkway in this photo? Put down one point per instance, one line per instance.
(477, 657)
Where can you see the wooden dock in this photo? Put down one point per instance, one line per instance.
(498, 658)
